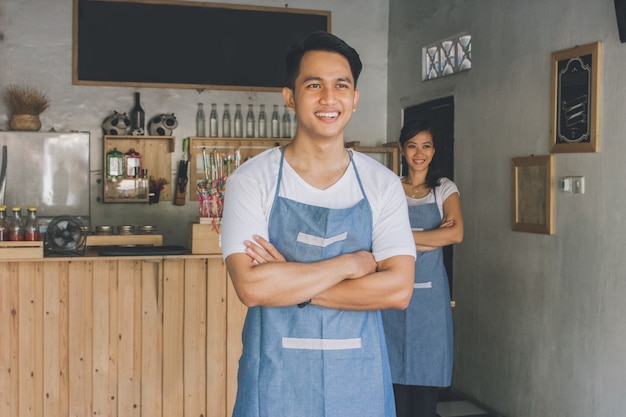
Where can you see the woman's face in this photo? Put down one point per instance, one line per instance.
(419, 151)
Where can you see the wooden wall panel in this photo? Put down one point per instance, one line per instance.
(53, 387)
(117, 337)
(9, 346)
(151, 338)
(173, 321)
(194, 339)
(104, 300)
(216, 343)
(79, 343)
(27, 340)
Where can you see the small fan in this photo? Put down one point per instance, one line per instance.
(65, 236)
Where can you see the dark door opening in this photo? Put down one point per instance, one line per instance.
(440, 113)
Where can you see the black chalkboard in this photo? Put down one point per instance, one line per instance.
(177, 44)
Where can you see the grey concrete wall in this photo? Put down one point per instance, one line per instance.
(539, 322)
(36, 49)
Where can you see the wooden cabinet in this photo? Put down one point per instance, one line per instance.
(156, 157)
(118, 336)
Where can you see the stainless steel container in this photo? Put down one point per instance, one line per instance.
(126, 229)
(104, 230)
(147, 229)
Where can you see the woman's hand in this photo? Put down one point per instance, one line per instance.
(262, 252)
(446, 223)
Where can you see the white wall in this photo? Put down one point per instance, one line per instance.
(539, 322)
(36, 49)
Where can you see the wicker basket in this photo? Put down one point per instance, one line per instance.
(25, 122)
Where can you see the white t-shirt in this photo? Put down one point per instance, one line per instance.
(251, 188)
(445, 188)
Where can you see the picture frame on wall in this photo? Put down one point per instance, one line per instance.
(533, 194)
(575, 99)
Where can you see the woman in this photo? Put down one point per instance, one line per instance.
(419, 339)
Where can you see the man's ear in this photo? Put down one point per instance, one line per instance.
(288, 97)
(356, 100)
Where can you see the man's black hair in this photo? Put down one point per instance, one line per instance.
(320, 41)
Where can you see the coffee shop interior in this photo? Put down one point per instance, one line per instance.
(539, 325)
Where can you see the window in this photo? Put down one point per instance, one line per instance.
(447, 57)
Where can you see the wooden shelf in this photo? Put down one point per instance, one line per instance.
(248, 147)
(390, 153)
(156, 157)
(109, 240)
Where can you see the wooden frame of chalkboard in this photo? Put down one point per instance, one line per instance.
(575, 99)
(184, 44)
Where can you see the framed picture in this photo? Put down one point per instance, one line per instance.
(575, 99)
(533, 194)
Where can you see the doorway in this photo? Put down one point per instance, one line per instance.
(440, 113)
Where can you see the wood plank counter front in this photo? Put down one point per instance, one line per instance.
(152, 336)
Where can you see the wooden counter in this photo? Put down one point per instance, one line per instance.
(153, 336)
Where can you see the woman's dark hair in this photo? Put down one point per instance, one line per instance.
(320, 41)
(409, 130)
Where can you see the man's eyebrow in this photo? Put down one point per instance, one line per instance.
(346, 80)
(312, 78)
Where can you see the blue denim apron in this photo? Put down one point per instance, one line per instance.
(419, 339)
(315, 361)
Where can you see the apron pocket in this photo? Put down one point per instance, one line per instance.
(330, 377)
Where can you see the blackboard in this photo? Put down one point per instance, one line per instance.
(574, 99)
(178, 44)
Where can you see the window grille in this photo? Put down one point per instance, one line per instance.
(446, 57)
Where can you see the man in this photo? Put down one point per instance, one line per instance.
(332, 247)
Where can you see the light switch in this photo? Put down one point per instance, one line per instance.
(572, 185)
(578, 185)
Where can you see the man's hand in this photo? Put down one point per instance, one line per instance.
(262, 252)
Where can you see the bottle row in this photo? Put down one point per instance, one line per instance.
(16, 227)
(254, 126)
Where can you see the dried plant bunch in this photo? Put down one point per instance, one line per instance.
(26, 100)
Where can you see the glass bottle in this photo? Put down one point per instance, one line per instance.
(250, 122)
(115, 164)
(286, 123)
(16, 225)
(275, 122)
(4, 227)
(226, 122)
(213, 121)
(238, 122)
(262, 122)
(200, 121)
(137, 118)
(31, 225)
(132, 161)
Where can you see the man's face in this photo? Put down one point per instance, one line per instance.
(324, 96)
